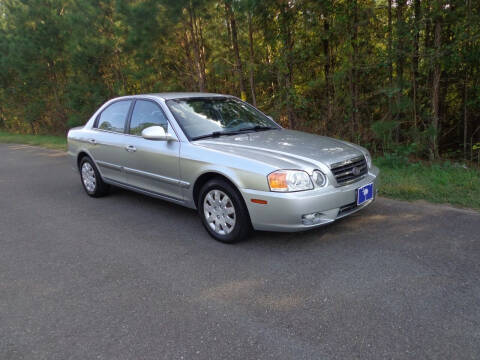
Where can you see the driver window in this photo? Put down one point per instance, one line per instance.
(145, 114)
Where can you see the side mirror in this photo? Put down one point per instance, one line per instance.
(156, 133)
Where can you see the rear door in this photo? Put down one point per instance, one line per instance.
(150, 164)
(108, 144)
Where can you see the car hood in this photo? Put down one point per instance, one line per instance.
(285, 148)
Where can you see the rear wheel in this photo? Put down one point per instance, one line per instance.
(223, 212)
(91, 180)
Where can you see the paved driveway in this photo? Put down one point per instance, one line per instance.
(129, 277)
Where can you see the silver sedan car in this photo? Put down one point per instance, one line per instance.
(225, 158)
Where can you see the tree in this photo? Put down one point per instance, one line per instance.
(395, 75)
(236, 51)
(436, 77)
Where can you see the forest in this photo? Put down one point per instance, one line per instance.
(397, 76)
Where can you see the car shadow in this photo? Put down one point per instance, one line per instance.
(149, 200)
(338, 231)
(263, 239)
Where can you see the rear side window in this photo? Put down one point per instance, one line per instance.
(113, 117)
(146, 114)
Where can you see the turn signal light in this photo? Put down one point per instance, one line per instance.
(278, 181)
(259, 201)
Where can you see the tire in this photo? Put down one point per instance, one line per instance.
(223, 212)
(91, 180)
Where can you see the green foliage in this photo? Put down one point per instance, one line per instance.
(442, 182)
(383, 131)
(48, 141)
(330, 67)
(476, 148)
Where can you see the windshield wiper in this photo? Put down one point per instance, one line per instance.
(235, 132)
(258, 128)
(215, 134)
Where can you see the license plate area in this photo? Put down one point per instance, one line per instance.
(364, 193)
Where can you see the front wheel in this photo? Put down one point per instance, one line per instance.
(223, 212)
(91, 179)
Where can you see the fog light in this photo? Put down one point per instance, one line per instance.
(312, 219)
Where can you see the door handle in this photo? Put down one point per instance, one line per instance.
(130, 148)
(92, 141)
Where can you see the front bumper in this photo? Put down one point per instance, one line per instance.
(284, 211)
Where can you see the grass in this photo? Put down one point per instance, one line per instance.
(48, 141)
(442, 182)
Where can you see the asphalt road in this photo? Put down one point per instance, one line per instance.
(129, 277)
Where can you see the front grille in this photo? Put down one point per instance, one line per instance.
(349, 171)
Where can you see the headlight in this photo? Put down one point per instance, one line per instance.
(319, 178)
(368, 157)
(289, 180)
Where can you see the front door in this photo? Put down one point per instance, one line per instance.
(152, 165)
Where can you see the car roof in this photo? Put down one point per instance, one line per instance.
(184, 95)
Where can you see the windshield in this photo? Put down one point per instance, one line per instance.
(208, 117)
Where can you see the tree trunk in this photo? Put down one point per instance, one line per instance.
(268, 61)
(228, 87)
(250, 70)
(465, 86)
(416, 56)
(196, 49)
(236, 51)
(190, 84)
(326, 52)
(400, 51)
(400, 54)
(286, 24)
(202, 49)
(436, 86)
(428, 45)
(390, 56)
(353, 71)
(465, 115)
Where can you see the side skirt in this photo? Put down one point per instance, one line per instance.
(145, 192)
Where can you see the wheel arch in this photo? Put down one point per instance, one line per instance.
(84, 153)
(206, 177)
(80, 156)
(209, 175)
